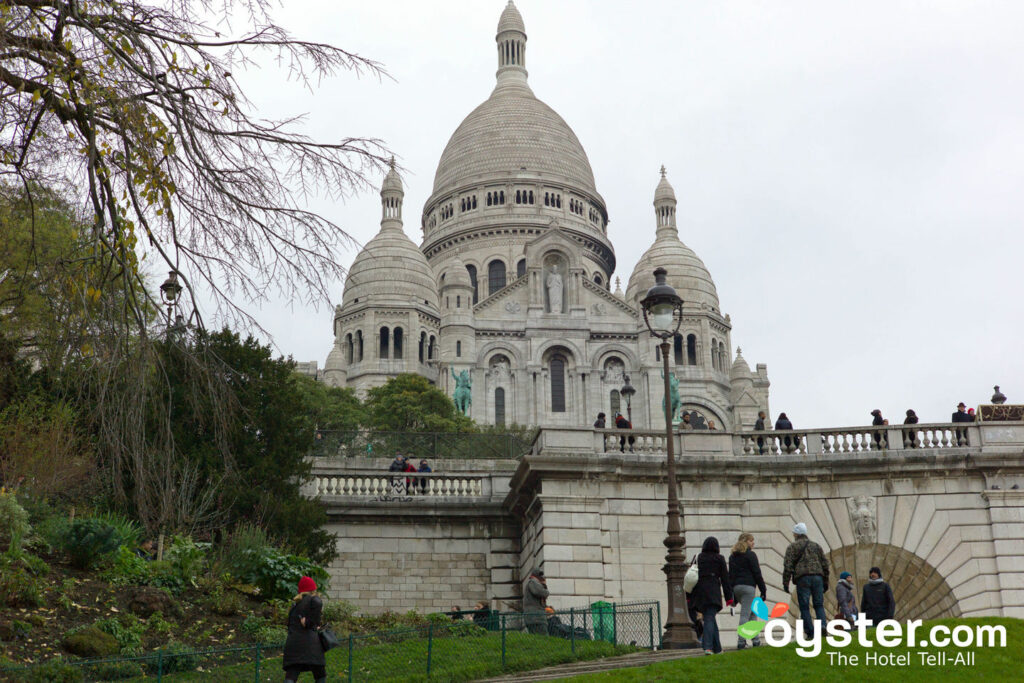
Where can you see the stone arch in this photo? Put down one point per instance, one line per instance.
(604, 352)
(921, 592)
(497, 347)
(568, 347)
(690, 402)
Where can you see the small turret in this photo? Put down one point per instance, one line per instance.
(511, 39)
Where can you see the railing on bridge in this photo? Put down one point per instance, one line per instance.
(397, 485)
(429, 445)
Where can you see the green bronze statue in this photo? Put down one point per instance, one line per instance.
(463, 395)
(673, 384)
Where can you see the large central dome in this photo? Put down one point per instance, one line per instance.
(509, 135)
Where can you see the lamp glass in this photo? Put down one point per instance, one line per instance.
(661, 317)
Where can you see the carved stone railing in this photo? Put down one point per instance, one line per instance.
(632, 441)
(859, 439)
(397, 485)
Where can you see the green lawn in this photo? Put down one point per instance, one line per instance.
(452, 659)
(992, 665)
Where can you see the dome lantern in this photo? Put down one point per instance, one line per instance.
(511, 39)
(665, 206)
(391, 195)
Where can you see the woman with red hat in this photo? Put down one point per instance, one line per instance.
(302, 649)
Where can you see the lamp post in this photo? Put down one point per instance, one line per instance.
(663, 313)
(627, 392)
(169, 292)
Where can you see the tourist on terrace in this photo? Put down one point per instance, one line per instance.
(876, 600)
(961, 416)
(910, 435)
(686, 423)
(302, 649)
(877, 420)
(398, 464)
(424, 469)
(759, 427)
(789, 444)
(535, 595)
(712, 582)
(623, 423)
(599, 422)
(846, 605)
(806, 565)
(745, 576)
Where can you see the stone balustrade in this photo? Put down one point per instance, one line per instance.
(384, 486)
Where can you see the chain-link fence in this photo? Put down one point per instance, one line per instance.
(464, 646)
(415, 445)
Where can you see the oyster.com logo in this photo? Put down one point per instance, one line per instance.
(751, 629)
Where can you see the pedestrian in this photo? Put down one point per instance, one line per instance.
(711, 424)
(745, 576)
(409, 467)
(398, 464)
(456, 614)
(535, 595)
(146, 550)
(623, 423)
(789, 444)
(302, 649)
(806, 565)
(910, 435)
(712, 583)
(686, 423)
(876, 599)
(877, 419)
(759, 427)
(970, 415)
(424, 481)
(482, 616)
(846, 605)
(599, 422)
(961, 416)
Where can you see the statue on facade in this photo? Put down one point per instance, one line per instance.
(555, 286)
(673, 385)
(862, 516)
(463, 394)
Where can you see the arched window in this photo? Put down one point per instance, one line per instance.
(597, 279)
(458, 349)
(423, 345)
(385, 337)
(531, 196)
(677, 345)
(519, 198)
(348, 348)
(458, 301)
(474, 201)
(691, 349)
(472, 280)
(723, 356)
(501, 197)
(488, 199)
(430, 348)
(521, 268)
(557, 372)
(499, 406)
(714, 353)
(495, 276)
(359, 342)
(614, 403)
(397, 343)
(546, 195)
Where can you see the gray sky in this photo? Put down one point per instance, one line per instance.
(850, 173)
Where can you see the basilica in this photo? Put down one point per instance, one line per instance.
(508, 304)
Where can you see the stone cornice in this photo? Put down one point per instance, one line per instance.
(518, 283)
(610, 298)
(600, 247)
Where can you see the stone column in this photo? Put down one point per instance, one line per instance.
(1006, 510)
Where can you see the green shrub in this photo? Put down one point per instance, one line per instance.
(114, 671)
(51, 531)
(263, 631)
(224, 602)
(127, 629)
(158, 630)
(127, 568)
(18, 587)
(88, 540)
(128, 529)
(276, 574)
(14, 526)
(246, 542)
(54, 671)
(187, 558)
(90, 641)
(338, 612)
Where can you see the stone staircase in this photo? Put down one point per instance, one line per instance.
(597, 665)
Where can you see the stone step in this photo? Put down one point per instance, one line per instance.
(595, 666)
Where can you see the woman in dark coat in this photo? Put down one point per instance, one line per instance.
(712, 582)
(302, 649)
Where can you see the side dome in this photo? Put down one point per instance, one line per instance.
(686, 272)
(390, 269)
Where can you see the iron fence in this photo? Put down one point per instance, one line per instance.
(416, 445)
(458, 646)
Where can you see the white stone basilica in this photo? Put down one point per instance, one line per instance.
(512, 283)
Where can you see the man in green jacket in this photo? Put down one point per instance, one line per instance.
(806, 565)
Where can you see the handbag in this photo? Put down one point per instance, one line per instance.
(690, 580)
(328, 640)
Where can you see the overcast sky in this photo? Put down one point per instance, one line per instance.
(850, 173)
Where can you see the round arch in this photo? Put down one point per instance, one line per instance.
(921, 592)
(484, 355)
(614, 349)
(690, 402)
(573, 353)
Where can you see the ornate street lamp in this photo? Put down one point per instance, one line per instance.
(627, 392)
(663, 313)
(169, 292)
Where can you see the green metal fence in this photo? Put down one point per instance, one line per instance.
(477, 646)
(416, 445)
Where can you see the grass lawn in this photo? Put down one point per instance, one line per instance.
(992, 665)
(452, 659)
